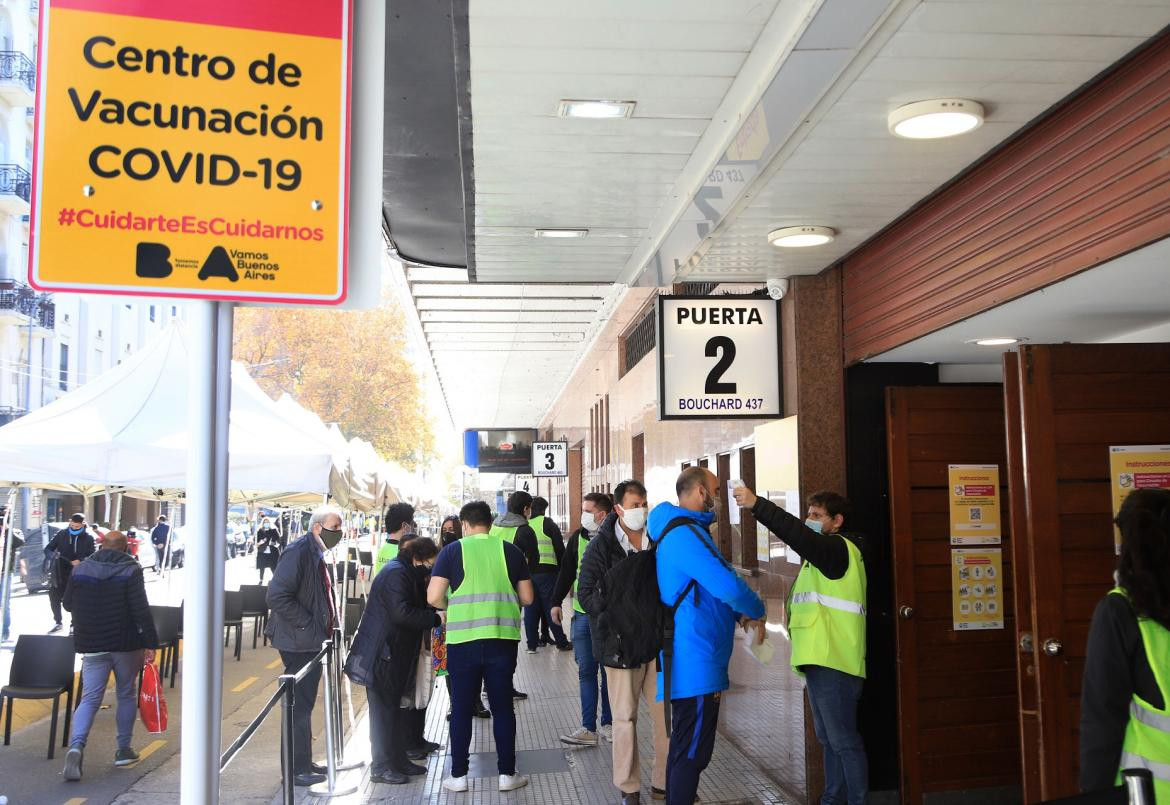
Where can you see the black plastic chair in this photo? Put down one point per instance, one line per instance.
(233, 618)
(366, 559)
(168, 623)
(42, 668)
(255, 606)
(353, 617)
(347, 575)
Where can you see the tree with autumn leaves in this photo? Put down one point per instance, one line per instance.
(347, 367)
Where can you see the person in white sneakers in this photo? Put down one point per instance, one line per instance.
(482, 581)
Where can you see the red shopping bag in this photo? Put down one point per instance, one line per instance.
(151, 704)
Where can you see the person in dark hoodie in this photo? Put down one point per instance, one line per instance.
(704, 624)
(113, 631)
(595, 508)
(66, 550)
(385, 653)
(826, 625)
(544, 548)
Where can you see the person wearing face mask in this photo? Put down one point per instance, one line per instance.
(267, 547)
(710, 598)
(399, 522)
(303, 615)
(826, 624)
(544, 547)
(595, 509)
(385, 658)
(67, 549)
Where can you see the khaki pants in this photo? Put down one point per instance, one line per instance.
(625, 687)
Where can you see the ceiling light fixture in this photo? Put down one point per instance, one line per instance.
(560, 233)
(996, 341)
(796, 237)
(602, 110)
(934, 119)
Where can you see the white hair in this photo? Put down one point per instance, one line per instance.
(321, 513)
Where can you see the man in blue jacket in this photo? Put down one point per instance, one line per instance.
(704, 625)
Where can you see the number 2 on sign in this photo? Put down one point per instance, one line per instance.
(724, 347)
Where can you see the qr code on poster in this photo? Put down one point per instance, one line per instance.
(976, 514)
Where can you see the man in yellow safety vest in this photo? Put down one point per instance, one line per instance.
(826, 624)
(481, 581)
(397, 524)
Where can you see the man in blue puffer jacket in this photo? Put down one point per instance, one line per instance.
(704, 625)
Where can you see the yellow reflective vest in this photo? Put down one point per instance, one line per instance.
(826, 617)
(1147, 736)
(486, 606)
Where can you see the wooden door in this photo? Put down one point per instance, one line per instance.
(1076, 401)
(957, 702)
(1022, 584)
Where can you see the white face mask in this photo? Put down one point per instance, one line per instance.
(634, 519)
(588, 523)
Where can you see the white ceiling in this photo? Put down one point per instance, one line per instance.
(828, 72)
(1127, 299)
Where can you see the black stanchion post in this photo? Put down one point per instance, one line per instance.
(287, 736)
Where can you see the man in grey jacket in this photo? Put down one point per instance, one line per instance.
(304, 613)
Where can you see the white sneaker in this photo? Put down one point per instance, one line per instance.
(510, 782)
(580, 737)
(458, 784)
(606, 731)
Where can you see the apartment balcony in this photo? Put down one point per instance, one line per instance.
(18, 78)
(15, 185)
(21, 305)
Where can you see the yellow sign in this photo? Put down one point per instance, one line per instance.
(977, 586)
(193, 149)
(1137, 467)
(974, 509)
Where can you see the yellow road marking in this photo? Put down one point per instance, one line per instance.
(244, 684)
(75, 801)
(275, 663)
(151, 748)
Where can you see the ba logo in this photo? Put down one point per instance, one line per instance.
(152, 261)
(218, 264)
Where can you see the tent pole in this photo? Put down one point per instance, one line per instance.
(207, 486)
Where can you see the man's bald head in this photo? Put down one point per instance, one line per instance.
(697, 488)
(114, 541)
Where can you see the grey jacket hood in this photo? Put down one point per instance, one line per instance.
(510, 520)
(107, 563)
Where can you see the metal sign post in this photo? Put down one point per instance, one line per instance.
(207, 488)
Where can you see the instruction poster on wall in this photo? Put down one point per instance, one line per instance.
(977, 588)
(974, 510)
(1144, 466)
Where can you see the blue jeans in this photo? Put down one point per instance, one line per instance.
(487, 663)
(543, 584)
(587, 670)
(833, 696)
(95, 674)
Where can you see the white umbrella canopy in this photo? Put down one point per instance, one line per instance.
(128, 427)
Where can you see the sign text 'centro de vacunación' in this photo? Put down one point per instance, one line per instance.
(194, 149)
(718, 357)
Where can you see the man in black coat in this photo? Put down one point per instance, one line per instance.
(158, 539)
(65, 551)
(304, 613)
(114, 631)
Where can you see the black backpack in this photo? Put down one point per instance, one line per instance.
(634, 612)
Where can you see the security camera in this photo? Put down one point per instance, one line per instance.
(777, 288)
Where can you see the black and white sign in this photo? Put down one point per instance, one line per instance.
(719, 357)
(550, 459)
(526, 483)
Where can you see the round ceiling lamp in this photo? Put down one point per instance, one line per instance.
(797, 237)
(996, 341)
(935, 119)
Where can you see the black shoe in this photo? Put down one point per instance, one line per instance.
(632, 799)
(566, 646)
(310, 778)
(416, 754)
(516, 694)
(428, 746)
(56, 628)
(390, 777)
(482, 712)
(411, 769)
(545, 640)
(319, 768)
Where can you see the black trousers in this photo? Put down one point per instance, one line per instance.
(55, 595)
(692, 740)
(390, 728)
(304, 700)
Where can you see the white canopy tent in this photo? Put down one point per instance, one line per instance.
(128, 427)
